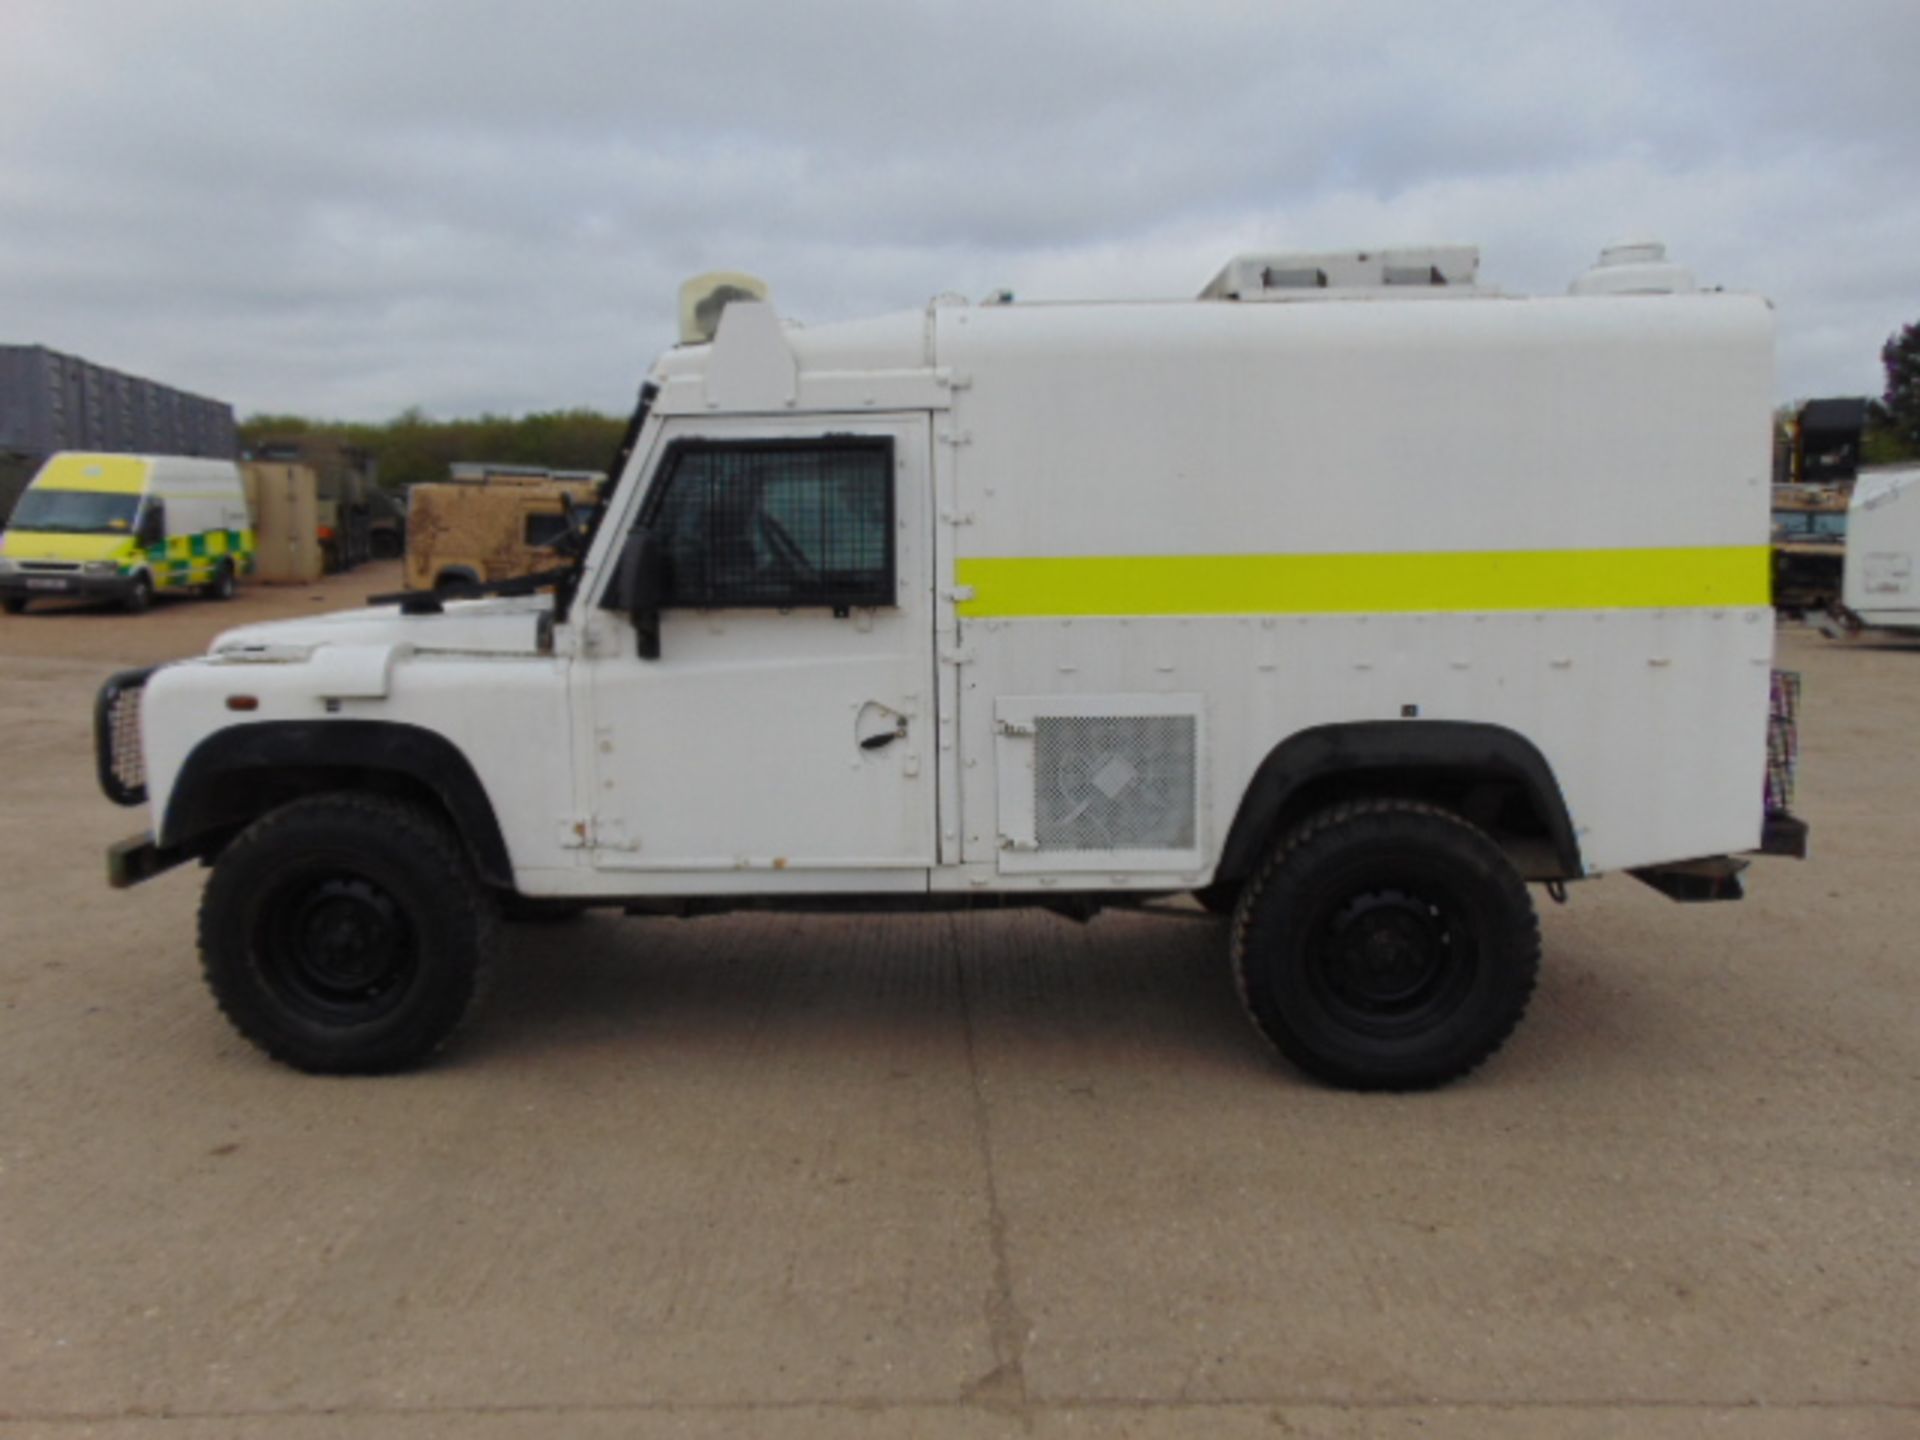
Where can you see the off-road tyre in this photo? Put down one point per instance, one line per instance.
(347, 934)
(16, 604)
(1385, 945)
(223, 586)
(139, 597)
(1221, 898)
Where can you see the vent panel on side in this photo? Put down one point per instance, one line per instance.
(1115, 782)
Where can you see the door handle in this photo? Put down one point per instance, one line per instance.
(884, 738)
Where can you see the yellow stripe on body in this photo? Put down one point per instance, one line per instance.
(1367, 584)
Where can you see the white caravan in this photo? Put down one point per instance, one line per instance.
(1347, 597)
(1881, 585)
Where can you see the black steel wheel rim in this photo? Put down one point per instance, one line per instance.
(1393, 961)
(336, 947)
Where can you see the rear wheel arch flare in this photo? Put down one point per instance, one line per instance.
(1326, 763)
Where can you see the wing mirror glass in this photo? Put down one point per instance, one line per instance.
(641, 587)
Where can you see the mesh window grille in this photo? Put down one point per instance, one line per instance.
(779, 525)
(1114, 782)
(1783, 741)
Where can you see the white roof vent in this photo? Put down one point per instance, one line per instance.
(1424, 269)
(1635, 267)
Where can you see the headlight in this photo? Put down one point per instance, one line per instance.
(6, 566)
(99, 567)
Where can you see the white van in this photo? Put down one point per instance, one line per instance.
(126, 528)
(1348, 597)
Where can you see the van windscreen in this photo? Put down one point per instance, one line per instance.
(75, 512)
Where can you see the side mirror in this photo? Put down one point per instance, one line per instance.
(153, 523)
(641, 587)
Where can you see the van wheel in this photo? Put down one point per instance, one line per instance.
(223, 586)
(1386, 945)
(346, 934)
(16, 604)
(139, 595)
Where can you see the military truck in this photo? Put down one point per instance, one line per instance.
(1349, 597)
(346, 479)
(1809, 545)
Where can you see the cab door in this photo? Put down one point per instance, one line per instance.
(783, 739)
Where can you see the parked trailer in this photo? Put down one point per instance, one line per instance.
(1348, 597)
(1881, 589)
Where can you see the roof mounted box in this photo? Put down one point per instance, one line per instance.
(1291, 276)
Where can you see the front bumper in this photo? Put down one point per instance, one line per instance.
(64, 585)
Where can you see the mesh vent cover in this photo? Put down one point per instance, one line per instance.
(1114, 782)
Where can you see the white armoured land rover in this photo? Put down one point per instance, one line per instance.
(1348, 597)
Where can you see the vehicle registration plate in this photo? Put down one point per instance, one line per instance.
(46, 584)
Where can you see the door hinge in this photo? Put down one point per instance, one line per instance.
(1008, 842)
(1014, 727)
(956, 517)
(959, 594)
(956, 655)
(955, 438)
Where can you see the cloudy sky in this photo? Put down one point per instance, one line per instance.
(349, 207)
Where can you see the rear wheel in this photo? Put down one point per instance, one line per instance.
(223, 585)
(1386, 945)
(346, 934)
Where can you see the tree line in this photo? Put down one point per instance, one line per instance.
(1893, 421)
(413, 447)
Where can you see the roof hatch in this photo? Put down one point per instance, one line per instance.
(1301, 275)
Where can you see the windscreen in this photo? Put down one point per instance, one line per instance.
(75, 512)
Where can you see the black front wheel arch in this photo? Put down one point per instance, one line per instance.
(346, 933)
(1386, 945)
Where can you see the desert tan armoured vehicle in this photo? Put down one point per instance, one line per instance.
(462, 532)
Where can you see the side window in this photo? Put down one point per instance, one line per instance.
(778, 524)
(543, 530)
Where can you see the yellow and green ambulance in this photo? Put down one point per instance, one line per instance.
(126, 528)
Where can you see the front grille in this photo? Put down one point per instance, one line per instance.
(118, 755)
(1783, 741)
(50, 567)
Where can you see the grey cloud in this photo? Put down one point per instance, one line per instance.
(355, 207)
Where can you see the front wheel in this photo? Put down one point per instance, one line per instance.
(1386, 945)
(346, 934)
(16, 604)
(139, 595)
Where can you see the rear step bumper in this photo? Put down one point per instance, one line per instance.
(1717, 877)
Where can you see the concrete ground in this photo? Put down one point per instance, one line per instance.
(971, 1177)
